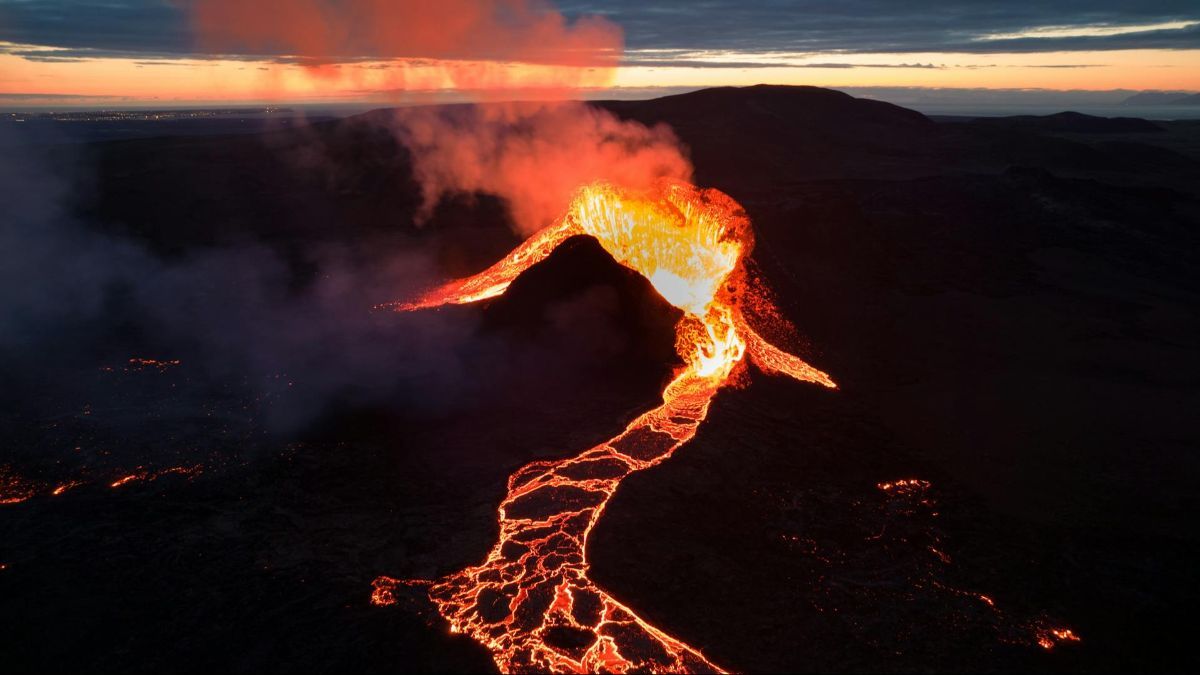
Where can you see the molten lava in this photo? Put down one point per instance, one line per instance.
(143, 474)
(531, 602)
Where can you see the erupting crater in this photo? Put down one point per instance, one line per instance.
(531, 602)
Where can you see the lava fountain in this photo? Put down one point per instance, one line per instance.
(530, 602)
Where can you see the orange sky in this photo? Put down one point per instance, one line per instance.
(176, 81)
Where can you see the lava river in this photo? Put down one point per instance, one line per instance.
(530, 602)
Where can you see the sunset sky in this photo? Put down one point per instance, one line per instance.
(139, 52)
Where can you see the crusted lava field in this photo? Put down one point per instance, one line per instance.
(1004, 479)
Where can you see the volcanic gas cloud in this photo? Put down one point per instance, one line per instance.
(531, 602)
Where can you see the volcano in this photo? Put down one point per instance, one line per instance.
(690, 246)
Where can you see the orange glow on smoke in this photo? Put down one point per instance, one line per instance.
(533, 587)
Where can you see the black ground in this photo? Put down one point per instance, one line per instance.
(1010, 309)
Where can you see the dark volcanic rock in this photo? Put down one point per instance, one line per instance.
(795, 132)
(1010, 313)
(1007, 340)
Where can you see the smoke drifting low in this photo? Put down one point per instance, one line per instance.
(289, 324)
(73, 297)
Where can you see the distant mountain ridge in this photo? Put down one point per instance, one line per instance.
(1072, 122)
(1163, 98)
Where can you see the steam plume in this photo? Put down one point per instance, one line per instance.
(534, 155)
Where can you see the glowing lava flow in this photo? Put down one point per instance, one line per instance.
(531, 602)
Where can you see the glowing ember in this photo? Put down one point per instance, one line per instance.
(1038, 631)
(531, 602)
(63, 487)
(127, 479)
(905, 485)
(142, 474)
(13, 488)
(137, 363)
(1050, 637)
